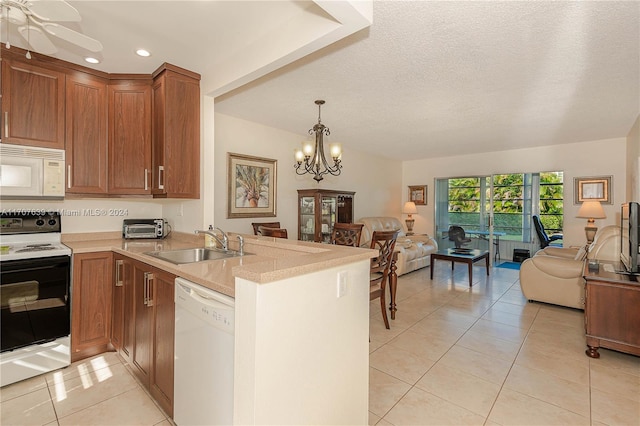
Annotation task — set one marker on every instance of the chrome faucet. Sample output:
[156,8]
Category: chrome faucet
[212,232]
[241,245]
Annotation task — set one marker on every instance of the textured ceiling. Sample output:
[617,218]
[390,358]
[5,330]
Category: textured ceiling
[431,79]
[426,79]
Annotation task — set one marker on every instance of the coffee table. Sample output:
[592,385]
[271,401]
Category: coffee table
[468,256]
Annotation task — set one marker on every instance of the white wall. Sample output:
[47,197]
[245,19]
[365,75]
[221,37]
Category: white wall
[374,179]
[594,158]
[633,162]
[302,352]
[92,215]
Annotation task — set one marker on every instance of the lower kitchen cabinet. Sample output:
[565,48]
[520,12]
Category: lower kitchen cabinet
[143,331]
[161,386]
[91,304]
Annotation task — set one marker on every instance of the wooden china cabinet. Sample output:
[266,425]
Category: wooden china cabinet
[319,209]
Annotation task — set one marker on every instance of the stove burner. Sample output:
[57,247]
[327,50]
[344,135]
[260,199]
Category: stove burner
[36,248]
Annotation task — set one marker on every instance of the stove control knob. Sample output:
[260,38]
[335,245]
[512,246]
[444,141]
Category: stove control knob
[52,222]
[39,222]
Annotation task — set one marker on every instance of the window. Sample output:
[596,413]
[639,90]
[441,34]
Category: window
[512,199]
[551,205]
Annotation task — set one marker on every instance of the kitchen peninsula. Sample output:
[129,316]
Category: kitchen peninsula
[301,341]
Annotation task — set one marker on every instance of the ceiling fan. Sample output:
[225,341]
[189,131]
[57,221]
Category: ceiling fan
[34,20]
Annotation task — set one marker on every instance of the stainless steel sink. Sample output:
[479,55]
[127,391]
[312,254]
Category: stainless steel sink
[193,255]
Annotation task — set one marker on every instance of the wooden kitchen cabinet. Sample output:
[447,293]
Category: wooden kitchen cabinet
[33,104]
[86,134]
[176,133]
[124,134]
[91,304]
[319,209]
[129,156]
[144,324]
[142,321]
[161,386]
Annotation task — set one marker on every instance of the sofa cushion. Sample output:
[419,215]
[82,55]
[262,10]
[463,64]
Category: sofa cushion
[413,250]
[380,223]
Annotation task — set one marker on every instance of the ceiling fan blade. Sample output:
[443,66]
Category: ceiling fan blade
[54,10]
[72,36]
[37,39]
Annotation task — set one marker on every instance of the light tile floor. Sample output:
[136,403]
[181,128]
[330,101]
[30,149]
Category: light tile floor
[454,355]
[485,356]
[95,391]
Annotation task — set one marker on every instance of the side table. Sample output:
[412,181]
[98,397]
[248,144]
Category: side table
[611,311]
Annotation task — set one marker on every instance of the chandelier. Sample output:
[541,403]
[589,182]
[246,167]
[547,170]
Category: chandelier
[311,158]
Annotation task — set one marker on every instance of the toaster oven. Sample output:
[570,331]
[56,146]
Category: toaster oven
[145,228]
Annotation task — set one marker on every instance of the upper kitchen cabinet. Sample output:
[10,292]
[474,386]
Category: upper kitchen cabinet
[86,134]
[33,111]
[176,133]
[130,137]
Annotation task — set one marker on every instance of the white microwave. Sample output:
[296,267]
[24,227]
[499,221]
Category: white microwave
[28,172]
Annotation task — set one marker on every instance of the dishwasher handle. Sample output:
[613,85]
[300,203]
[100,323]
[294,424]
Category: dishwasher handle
[202,298]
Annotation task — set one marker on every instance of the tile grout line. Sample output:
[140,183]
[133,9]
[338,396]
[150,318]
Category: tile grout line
[55,412]
[429,369]
[511,367]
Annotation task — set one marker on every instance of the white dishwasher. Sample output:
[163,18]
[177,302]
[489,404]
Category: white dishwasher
[203,369]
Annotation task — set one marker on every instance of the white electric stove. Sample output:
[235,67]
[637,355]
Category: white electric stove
[35,297]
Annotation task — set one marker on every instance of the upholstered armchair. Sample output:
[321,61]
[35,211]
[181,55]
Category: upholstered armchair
[554,275]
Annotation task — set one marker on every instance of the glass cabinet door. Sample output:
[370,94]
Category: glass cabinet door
[319,210]
[327,218]
[307,218]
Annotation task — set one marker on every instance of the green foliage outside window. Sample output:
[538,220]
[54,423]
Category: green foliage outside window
[508,202]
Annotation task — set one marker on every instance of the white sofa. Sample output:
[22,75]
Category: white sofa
[414,251]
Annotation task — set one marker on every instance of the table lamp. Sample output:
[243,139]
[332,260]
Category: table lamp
[409,209]
[591,210]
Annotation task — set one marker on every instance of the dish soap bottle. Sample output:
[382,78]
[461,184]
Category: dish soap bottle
[208,239]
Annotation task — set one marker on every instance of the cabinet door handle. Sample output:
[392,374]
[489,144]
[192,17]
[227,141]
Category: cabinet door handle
[69,176]
[119,272]
[6,124]
[160,177]
[150,282]
[146,179]
[145,290]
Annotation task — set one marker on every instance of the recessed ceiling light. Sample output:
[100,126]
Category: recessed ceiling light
[92,60]
[142,52]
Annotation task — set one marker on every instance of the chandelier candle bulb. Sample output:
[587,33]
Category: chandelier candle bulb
[299,155]
[336,151]
[307,148]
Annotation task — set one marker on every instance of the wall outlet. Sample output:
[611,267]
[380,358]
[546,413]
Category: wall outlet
[180,209]
[342,284]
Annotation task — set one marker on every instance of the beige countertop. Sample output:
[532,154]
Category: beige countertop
[268,259]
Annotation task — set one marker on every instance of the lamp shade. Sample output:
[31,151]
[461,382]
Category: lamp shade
[591,210]
[409,208]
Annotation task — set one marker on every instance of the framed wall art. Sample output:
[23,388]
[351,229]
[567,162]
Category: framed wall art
[418,194]
[252,186]
[592,189]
